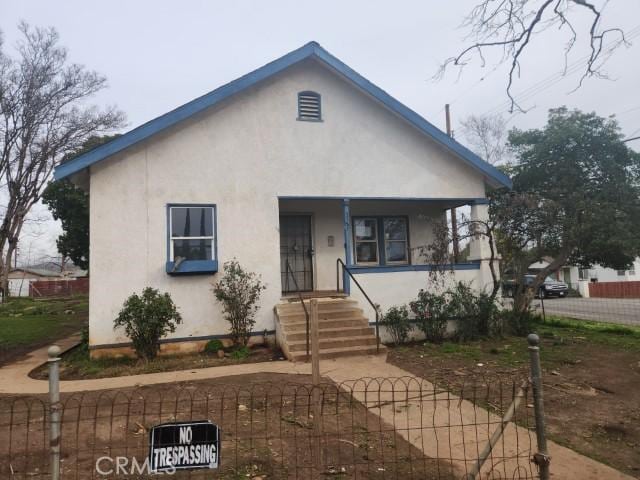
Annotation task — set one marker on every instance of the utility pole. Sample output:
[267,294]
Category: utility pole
[454,217]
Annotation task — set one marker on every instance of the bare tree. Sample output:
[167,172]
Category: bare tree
[44,116]
[437,252]
[486,135]
[511,25]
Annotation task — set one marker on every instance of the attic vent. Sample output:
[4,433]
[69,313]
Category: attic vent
[309,106]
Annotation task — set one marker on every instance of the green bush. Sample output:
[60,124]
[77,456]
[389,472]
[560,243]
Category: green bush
[146,319]
[398,325]
[213,346]
[432,313]
[240,353]
[519,323]
[476,313]
[239,292]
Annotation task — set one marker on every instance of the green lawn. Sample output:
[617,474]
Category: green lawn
[26,324]
[561,339]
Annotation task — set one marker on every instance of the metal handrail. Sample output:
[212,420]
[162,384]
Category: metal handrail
[295,282]
[373,305]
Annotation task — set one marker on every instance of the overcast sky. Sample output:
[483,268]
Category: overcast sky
[159,54]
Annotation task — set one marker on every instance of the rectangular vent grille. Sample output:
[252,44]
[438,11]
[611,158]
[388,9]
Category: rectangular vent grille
[309,106]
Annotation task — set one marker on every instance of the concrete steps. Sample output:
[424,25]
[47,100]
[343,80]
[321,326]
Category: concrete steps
[343,328]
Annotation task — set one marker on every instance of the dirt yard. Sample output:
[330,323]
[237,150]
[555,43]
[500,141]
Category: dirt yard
[266,420]
[591,383]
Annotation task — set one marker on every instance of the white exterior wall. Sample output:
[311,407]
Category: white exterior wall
[242,155]
[19,287]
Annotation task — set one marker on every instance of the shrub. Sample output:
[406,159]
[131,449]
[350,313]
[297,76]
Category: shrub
[476,313]
[432,313]
[239,292]
[213,346]
[146,319]
[240,353]
[397,322]
[519,323]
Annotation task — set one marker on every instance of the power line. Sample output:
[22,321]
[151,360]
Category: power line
[556,77]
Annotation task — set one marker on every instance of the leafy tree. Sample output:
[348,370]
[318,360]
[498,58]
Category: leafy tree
[239,292]
[70,205]
[575,198]
[146,319]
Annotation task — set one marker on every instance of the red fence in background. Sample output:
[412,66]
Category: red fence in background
[614,289]
[59,288]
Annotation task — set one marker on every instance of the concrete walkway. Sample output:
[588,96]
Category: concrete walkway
[14,378]
[442,416]
[442,427]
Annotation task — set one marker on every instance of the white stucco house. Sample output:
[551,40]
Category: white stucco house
[299,163]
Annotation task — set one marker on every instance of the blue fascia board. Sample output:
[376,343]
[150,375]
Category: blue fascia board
[456,200]
[193,267]
[357,269]
[311,49]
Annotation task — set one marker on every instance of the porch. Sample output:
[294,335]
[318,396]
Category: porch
[366,251]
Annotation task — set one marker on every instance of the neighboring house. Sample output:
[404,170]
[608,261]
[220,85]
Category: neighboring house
[579,278]
[301,162]
[598,273]
[20,278]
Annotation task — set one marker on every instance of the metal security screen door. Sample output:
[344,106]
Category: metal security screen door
[297,249]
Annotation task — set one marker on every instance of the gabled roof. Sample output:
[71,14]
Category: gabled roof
[311,50]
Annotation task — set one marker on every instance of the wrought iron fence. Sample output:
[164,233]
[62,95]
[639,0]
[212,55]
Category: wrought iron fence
[403,428]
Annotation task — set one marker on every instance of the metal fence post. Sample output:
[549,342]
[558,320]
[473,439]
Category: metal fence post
[541,458]
[54,409]
[317,407]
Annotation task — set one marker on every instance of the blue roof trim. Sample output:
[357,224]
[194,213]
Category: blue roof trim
[311,49]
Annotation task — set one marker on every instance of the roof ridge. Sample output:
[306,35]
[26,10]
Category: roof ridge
[211,98]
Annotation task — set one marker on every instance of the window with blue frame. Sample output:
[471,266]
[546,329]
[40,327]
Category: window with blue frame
[381,240]
[192,239]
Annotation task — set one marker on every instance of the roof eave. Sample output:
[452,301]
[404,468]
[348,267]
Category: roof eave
[312,49]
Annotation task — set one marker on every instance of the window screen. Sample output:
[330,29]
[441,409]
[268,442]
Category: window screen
[192,233]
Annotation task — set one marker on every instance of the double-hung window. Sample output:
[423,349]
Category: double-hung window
[381,240]
[366,240]
[396,243]
[192,242]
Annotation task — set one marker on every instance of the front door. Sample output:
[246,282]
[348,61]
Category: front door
[296,249]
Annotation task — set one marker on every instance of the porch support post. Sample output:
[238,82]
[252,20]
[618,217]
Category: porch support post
[348,247]
[479,249]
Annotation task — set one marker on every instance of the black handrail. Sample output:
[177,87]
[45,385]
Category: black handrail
[295,282]
[373,305]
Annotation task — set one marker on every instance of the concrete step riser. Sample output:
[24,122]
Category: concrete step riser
[356,332]
[351,312]
[323,324]
[294,307]
[302,356]
[335,343]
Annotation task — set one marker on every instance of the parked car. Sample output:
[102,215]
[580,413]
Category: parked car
[550,288]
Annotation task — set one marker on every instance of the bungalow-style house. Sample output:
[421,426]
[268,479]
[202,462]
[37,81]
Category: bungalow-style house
[288,169]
